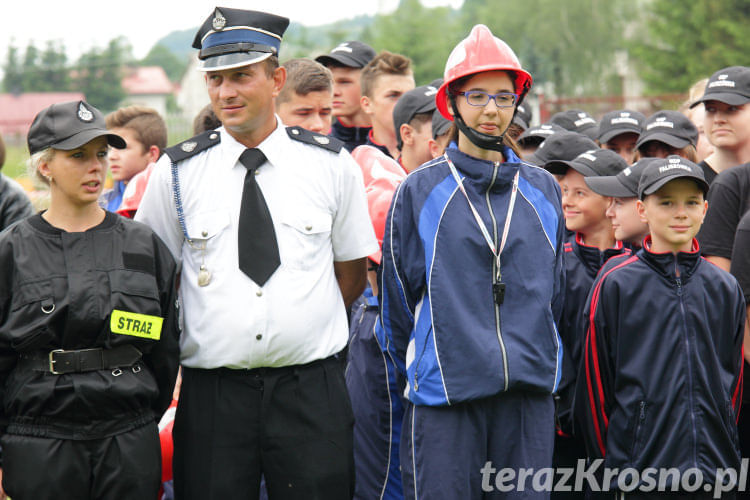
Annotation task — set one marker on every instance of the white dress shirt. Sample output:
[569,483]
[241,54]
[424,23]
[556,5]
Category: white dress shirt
[319,210]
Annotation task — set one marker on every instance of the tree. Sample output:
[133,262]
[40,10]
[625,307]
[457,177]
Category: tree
[682,42]
[99,74]
[13,79]
[54,74]
[159,55]
[30,68]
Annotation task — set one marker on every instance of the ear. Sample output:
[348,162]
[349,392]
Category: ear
[279,79]
[153,154]
[640,207]
[435,149]
[407,134]
[364,101]
[705,207]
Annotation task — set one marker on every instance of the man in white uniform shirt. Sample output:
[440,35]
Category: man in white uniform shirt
[272,229]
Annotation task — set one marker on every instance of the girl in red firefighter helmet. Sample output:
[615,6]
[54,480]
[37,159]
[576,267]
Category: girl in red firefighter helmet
[470,292]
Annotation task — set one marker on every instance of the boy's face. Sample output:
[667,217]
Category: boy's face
[584,210]
[674,215]
[626,222]
[386,91]
[346,91]
[418,137]
[125,163]
[311,111]
[623,145]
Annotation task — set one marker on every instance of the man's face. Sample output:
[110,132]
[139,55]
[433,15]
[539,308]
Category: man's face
[243,98]
[385,93]
[311,111]
[346,91]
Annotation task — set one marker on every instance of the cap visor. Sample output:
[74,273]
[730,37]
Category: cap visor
[658,184]
[534,159]
[233,60]
[609,186]
[520,122]
[86,136]
[725,97]
[671,140]
[591,132]
[557,167]
[610,134]
[341,59]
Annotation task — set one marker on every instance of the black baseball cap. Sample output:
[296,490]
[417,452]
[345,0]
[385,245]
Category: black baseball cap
[729,85]
[69,125]
[440,124]
[231,38]
[535,135]
[672,167]
[670,127]
[417,100]
[576,120]
[522,118]
[594,162]
[564,145]
[618,122]
[352,54]
[622,185]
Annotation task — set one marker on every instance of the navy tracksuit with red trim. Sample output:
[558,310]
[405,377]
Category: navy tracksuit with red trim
[582,263]
[661,376]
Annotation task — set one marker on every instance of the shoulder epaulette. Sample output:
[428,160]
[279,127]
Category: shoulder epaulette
[322,141]
[193,146]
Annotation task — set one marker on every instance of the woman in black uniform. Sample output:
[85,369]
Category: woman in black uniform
[88,329]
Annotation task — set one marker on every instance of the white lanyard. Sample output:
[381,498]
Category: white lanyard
[495,252]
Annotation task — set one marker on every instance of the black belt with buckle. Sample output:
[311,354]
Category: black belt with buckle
[62,361]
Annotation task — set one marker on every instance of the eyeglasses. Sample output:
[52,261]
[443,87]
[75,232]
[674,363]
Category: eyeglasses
[481,98]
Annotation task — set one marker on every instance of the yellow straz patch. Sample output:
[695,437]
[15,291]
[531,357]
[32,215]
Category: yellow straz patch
[136,325]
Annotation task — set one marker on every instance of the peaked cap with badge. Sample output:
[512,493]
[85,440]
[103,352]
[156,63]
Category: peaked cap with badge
[231,38]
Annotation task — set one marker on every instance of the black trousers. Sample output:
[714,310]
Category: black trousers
[293,425]
[126,466]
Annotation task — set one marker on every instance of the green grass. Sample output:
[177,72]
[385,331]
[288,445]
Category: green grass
[15,161]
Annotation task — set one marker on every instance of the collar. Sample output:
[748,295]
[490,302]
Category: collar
[350,134]
[272,146]
[38,222]
[591,256]
[381,147]
[481,172]
[667,263]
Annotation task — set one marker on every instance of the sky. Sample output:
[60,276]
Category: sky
[82,24]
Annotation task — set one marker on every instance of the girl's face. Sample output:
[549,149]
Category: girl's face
[583,209]
[488,119]
[626,222]
[77,176]
[727,126]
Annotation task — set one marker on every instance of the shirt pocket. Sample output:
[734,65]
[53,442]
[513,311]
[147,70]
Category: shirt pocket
[208,233]
[304,239]
[134,294]
[33,308]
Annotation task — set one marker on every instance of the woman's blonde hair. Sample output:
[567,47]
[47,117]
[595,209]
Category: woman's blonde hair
[36,160]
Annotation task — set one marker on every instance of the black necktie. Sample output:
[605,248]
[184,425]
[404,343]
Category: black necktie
[258,250]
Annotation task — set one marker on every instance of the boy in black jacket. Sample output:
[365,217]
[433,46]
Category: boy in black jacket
[660,387]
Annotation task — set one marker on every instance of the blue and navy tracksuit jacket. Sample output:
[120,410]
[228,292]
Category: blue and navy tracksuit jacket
[442,325]
[661,376]
[582,263]
[376,403]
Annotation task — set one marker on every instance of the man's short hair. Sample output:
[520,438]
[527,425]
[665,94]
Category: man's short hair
[304,76]
[146,123]
[385,63]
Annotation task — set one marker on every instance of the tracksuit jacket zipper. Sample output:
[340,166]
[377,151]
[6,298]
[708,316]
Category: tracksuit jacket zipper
[494,273]
[688,352]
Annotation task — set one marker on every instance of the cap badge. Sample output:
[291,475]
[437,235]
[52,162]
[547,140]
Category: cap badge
[321,139]
[430,91]
[188,147]
[722,77]
[625,114]
[84,114]
[219,21]
[581,115]
[674,160]
[627,171]
[342,47]
[661,118]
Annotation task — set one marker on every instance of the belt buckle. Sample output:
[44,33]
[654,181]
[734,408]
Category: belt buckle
[52,361]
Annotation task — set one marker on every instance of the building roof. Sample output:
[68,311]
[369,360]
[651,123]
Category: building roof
[19,110]
[147,80]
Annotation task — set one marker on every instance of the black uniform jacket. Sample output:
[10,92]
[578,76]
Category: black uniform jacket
[660,383]
[59,290]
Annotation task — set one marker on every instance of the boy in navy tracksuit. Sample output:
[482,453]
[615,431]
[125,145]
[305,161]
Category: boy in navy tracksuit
[585,251]
[661,383]
[471,288]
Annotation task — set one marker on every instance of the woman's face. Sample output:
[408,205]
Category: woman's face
[77,176]
[727,126]
[488,119]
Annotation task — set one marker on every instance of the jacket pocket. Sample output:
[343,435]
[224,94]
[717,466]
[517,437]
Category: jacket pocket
[638,430]
[134,293]
[731,423]
[304,239]
[33,308]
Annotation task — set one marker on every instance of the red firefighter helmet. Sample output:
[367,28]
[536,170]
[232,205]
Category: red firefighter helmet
[481,51]
[382,175]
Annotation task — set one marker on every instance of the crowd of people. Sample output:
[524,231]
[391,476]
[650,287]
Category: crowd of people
[349,286]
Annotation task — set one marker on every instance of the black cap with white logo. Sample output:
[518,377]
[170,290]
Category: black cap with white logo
[673,167]
[411,103]
[670,127]
[729,85]
[522,118]
[594,162]
[535,135]
[352,54]
[69,125]
[564,145]
[576,120]
[622,185]
[618,122]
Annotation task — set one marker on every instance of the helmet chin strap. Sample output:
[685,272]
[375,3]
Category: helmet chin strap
[484,141]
